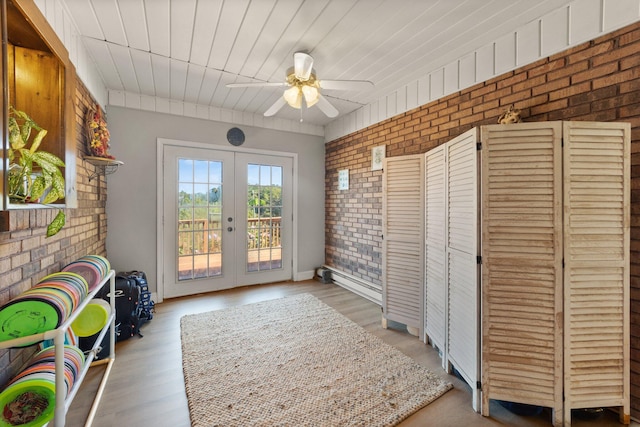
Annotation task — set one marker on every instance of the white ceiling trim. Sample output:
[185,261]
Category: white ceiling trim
[205,112]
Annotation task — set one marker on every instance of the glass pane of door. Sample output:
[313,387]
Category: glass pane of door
[199,239]
[264,208]
[264,217]
[199,219]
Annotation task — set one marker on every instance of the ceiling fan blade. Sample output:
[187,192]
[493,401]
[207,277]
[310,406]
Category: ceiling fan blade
[302,65]
[275,107]
[326,107]
[257,84]
[345,84]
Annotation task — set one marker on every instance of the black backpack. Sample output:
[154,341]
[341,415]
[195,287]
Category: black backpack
[145,304]
[133,303]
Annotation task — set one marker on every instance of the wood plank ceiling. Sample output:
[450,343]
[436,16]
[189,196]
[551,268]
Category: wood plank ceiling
[188,50]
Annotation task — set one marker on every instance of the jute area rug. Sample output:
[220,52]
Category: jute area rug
[295,361]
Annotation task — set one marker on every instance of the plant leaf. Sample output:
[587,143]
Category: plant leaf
[21,114]
[57,224]
[47,161]
[26,161]
[37,140]
[28,124]
[22,185]
[15,138]
[38,187]
[51,197]
[49,158]
[58,184]
[57,189]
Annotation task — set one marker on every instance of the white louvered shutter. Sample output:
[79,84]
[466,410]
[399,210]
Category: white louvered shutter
[596,246]
[403,224]
[522,264]
[435,244]
[463,312]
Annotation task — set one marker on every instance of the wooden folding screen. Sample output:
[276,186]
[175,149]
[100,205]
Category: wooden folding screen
[403,231]
[463,294]
[522,264]
[435,251]
[596,273]
[452,302]
[554,215]
[555,254]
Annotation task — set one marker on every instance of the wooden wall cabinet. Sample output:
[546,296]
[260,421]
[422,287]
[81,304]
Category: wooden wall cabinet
[39,79]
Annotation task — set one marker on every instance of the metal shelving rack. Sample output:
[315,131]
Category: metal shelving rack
[64,402]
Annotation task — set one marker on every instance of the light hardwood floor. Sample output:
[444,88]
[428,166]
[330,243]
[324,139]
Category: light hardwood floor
[146,385]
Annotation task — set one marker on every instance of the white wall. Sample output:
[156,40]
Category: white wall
[131,203]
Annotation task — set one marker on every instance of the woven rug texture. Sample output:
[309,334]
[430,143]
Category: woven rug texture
[295,361]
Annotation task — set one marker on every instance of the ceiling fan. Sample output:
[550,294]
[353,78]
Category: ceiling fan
[304,87]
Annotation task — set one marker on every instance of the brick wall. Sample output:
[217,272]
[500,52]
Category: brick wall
[27,255]
[597,80]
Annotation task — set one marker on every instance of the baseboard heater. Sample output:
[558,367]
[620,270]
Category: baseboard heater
[356,285]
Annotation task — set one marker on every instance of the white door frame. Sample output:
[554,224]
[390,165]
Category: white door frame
[161,143]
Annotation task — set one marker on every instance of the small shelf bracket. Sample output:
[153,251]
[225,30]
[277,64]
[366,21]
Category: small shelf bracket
[103,166]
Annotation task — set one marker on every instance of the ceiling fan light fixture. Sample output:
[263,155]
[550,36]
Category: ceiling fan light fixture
[302,64]
[302,82]
[310,95]
[293,96]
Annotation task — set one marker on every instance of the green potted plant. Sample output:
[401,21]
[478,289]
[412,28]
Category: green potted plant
[34,175]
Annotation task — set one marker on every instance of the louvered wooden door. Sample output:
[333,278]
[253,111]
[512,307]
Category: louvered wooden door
[463,299]
[522,264]
[435,250]
[596,276]
[403,234]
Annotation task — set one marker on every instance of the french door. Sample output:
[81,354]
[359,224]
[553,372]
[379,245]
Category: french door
[227,219]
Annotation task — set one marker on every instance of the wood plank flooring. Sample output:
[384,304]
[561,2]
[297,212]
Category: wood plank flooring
[146,386]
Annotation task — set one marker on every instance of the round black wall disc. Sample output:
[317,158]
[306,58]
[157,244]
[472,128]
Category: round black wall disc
[235,136]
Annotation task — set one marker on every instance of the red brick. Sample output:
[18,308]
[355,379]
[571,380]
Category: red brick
[529,83]
[569,91]
[568,71]
[544,69]
[497,94]
[593,73]
[515,98]
[486,106]
[487,88]
[447,111]
[512,81]
[618,78]
[593,95]
[551,86]
[631,61]
[471,119]
[629,37]
[591,52]
[615,55]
